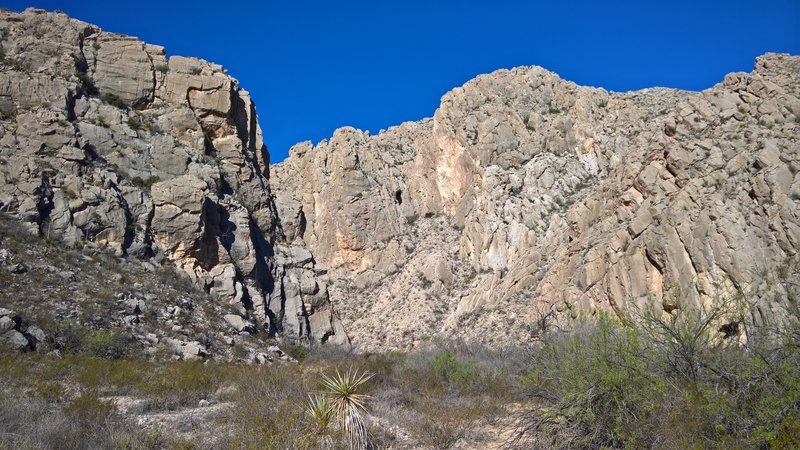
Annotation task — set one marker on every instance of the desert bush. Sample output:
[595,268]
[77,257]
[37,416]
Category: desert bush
[71,337]
[320,411]
[134,123]
[111,345]
[268,410]
[452,371]
[465,369]
[145,183]
[86,83]
[86,422]
[87,410]
[115,101]
[183,383]
[668,380]
[297,351]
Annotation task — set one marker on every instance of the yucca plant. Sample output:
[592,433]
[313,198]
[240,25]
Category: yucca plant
[320,411]
[340,401]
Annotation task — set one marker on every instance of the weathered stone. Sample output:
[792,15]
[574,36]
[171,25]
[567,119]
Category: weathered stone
[16,340]
[536,194]
[238,323]
[37,333]
[6,324]
[123,69]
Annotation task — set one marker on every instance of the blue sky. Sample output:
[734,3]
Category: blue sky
[315,66]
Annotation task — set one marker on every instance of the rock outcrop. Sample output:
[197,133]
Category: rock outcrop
[526,194]
[105,139]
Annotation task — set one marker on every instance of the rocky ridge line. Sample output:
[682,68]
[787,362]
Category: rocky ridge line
[526,195]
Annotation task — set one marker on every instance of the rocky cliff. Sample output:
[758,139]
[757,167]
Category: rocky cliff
[528,196]
[106,140]
[525,195]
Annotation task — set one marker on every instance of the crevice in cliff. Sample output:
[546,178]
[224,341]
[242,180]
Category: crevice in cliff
[151,98]
[44,205]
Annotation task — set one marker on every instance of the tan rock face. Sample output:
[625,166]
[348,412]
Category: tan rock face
[523,194]
[123,68]
[533,194]
[103,139]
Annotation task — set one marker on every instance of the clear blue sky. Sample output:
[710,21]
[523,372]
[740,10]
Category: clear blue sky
[315,66]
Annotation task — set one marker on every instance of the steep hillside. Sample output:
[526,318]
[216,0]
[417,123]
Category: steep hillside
[528,196]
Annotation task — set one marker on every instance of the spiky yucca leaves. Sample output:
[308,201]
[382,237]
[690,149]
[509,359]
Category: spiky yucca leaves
[320,411]
[343,403]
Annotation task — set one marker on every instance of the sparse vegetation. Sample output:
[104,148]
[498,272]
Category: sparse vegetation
[145,183]
[666,380]
[101,122]
[134,123]
[115,101]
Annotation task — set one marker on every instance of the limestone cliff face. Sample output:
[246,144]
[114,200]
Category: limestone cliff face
[527,194]
[105,139]
[524,195]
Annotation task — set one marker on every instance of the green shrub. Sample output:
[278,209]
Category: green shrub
[665,380]
[145,184]
[67,337]
[452,371]
[267,412]
[70,337]
[115,100]
[183,383]
[297,351]
[110,345]
[134,123]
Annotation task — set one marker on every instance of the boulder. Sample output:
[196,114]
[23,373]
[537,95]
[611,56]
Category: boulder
[7,324]
[16,340]
[238,323]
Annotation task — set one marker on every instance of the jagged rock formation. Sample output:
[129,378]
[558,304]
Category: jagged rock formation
[525,194]
[105,139]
